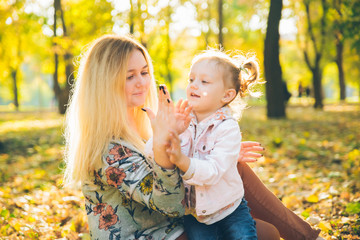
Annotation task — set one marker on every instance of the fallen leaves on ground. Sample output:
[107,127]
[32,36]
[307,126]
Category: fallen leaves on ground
[312,163]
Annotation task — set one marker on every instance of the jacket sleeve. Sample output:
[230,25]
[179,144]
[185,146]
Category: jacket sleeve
[222,156]
[158,188]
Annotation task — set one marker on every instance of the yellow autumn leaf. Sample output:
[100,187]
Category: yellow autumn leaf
[17,226]
[291,201]
[324,226]
[312,198]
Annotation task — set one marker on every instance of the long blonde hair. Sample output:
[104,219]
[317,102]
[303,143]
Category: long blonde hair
[97,112]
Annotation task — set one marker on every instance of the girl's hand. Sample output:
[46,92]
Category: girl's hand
[174,151]
[182,115]
[173,148]
[247,151]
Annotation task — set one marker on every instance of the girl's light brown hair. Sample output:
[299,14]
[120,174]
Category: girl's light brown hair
[240,71]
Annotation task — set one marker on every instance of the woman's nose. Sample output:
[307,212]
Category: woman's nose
[140,81]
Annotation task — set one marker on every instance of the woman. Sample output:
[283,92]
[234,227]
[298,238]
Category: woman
[126,195]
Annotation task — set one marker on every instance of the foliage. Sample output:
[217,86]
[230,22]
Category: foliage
[312,163]
[29,23]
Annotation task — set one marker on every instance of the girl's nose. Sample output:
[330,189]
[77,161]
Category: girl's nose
[193,85]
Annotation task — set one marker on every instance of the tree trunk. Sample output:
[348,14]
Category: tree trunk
[56,86]
[273,73]
[339,63]
[61,94]
[220,13]
[141,23]
[69,69]
[15,88]
[339,40]
[317,86]
[131,20]
[318,48]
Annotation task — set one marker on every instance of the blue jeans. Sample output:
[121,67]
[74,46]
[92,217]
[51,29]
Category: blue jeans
[238,225]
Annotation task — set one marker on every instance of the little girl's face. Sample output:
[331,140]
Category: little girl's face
[206,88]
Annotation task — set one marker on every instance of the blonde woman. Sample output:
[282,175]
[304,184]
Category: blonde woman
[126,195]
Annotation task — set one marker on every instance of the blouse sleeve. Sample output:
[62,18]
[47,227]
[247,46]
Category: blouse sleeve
[158,188]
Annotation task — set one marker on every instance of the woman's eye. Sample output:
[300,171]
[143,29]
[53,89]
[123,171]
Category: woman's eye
[144,73]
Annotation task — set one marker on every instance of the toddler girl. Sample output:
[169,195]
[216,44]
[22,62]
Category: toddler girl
[208,150]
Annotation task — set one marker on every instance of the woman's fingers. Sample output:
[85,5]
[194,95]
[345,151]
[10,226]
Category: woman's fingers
[162,95]
[165,93]
[252,149]
[246,144]
[252,155]
[248,159]
[149,113]
[248,151]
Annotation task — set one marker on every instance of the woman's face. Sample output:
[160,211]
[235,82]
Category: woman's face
[137,80]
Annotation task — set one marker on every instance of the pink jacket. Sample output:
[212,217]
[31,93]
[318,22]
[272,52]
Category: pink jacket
[213,145]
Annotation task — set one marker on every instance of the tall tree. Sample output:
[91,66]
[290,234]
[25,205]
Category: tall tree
[220,22]
[317,47]
[131,18]
[142,14]
[273,72]
[339,41]
[61,93]
[56,85]
[15,29]
[351,30]
[15,68]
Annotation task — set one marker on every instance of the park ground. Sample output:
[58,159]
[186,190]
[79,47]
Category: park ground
[311,162]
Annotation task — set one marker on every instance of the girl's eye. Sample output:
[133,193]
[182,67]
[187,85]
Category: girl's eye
[191,80]
[145,73]
[203,81]
[130,77]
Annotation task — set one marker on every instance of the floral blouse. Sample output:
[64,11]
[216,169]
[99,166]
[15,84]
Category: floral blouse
[131,197]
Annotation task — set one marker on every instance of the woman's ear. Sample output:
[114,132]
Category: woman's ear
[229,95]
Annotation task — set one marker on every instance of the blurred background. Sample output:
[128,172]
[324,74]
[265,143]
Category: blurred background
[311,47]
[308,118]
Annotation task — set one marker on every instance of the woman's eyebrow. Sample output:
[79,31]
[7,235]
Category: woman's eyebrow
[132,70]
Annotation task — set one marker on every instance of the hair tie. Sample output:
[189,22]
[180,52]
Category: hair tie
[244,69]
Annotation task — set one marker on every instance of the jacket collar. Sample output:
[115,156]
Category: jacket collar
[218,116]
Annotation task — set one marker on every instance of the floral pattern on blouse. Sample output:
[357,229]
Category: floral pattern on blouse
[130,197]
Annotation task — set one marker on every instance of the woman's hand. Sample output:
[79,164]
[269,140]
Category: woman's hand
[247,152]
[182,115]
[162,123]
